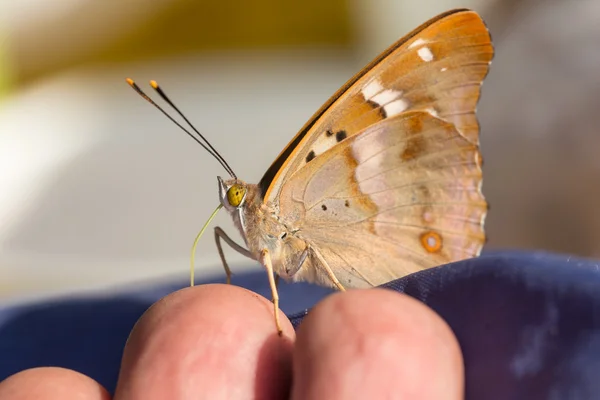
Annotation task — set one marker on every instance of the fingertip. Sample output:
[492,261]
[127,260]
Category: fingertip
[51,383]
[209,340]
[376,343]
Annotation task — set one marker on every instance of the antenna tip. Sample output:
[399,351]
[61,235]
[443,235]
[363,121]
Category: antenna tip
[130,81]
[154,84]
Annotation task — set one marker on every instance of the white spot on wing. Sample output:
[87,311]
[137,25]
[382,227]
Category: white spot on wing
[432,111]
[323,144]
[444,69]
[391,100]
[427,216]
[371,89]
[431,241]
[425,54]
[386,96]
[395,107]
[416,43]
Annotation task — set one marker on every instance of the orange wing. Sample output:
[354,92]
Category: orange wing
[438,68]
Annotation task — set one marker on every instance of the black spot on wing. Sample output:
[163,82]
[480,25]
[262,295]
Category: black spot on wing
[378,107]
[323,207]
[310,156]
[341,135]
[329,133]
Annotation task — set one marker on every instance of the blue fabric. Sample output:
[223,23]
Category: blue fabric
[528,324]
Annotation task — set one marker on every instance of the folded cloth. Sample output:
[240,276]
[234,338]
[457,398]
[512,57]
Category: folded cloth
[528,324]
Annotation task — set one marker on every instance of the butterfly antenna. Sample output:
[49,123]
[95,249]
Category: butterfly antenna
[209,149]
[163,95]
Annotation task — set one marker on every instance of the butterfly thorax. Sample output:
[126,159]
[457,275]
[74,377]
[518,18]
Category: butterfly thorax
[259,224]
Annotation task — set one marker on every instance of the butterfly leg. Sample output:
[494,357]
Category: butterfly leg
[220,234]
[265,259]
[330,273]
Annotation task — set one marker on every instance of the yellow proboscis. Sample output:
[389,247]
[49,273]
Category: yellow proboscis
[212,216]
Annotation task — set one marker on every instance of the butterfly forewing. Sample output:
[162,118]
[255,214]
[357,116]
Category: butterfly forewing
[437,68]
[400,196]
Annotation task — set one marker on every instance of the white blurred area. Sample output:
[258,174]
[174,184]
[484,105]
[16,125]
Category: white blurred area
[99,189]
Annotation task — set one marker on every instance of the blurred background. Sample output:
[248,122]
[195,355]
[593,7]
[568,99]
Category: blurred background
[99,190]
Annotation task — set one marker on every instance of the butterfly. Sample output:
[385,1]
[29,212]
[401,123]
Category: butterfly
[385,179]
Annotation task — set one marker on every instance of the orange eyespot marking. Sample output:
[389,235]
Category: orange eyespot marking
[236,194]
[431,241]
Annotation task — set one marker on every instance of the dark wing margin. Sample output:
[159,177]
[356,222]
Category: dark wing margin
[268,177]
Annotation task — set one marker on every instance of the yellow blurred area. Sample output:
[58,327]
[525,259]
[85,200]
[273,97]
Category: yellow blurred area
[6,66]
[107,32]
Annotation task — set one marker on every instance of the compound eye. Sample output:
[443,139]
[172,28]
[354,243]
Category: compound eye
[235,195]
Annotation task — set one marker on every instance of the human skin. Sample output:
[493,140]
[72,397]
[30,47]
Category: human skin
[220,342]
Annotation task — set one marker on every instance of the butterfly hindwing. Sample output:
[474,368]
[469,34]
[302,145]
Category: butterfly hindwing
[400,196]
[437,68]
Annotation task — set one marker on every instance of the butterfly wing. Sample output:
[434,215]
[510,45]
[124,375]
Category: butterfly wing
[438,67]
[403,195]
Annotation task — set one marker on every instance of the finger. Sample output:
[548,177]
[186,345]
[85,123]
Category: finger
[376,344]
[51,383]
[210,341]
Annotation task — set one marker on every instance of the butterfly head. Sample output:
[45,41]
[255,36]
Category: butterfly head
[232,193]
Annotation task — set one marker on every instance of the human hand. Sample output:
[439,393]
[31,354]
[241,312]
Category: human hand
[220,342]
